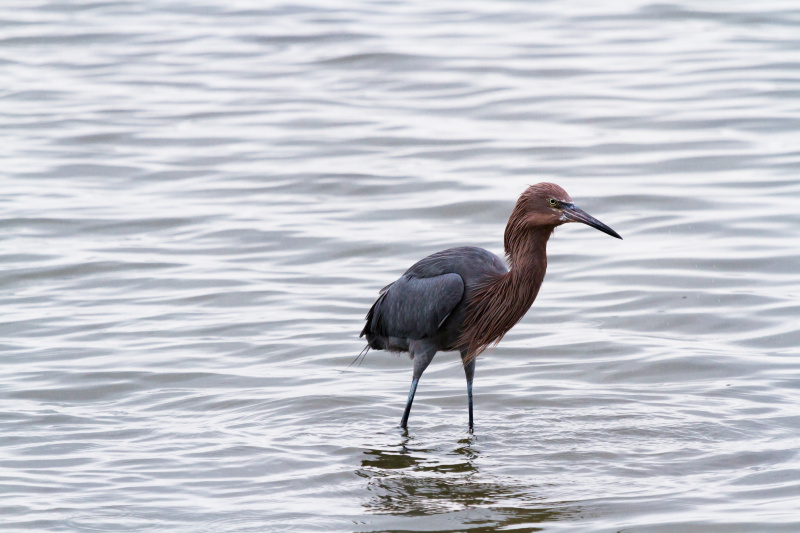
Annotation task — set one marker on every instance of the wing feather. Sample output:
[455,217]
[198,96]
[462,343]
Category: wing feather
[413,307]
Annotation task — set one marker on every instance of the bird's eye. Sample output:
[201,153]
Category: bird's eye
[553,202]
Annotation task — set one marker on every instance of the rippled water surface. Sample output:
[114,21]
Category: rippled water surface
[200,201]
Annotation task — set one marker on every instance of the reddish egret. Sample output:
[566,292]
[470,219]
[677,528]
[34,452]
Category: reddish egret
[464,299]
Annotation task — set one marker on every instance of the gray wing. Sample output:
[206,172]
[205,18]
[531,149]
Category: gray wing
[414,308]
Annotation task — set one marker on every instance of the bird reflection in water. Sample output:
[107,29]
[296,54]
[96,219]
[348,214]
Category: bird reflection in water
[418,482]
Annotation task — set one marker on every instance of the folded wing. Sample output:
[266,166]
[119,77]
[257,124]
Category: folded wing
[414,308]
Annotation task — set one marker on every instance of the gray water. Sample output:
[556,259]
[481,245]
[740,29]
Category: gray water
[200,201]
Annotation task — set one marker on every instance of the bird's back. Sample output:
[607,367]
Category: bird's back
[429,300]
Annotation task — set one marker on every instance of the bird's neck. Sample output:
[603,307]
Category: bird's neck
[503,300]
[527,257]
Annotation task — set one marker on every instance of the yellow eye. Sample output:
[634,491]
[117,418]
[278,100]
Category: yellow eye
[553,202]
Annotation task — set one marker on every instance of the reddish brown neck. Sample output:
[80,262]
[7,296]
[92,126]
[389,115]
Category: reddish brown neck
[498,305]
[527,257]
[526,248]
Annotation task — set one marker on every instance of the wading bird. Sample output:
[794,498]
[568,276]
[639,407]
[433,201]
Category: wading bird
[464,299]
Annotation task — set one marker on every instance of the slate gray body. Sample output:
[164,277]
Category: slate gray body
[428,302]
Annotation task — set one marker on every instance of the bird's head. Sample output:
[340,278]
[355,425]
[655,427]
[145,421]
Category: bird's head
[548,205]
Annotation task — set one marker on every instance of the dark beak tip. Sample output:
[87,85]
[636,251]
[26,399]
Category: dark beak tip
[577,214]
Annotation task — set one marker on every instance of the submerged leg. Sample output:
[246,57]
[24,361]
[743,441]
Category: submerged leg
[404,421]
[423,356]
[469,370]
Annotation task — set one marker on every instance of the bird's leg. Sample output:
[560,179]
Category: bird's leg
[404,421]
[423,356]
[469,370]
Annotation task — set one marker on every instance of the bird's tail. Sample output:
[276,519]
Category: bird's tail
[362,355]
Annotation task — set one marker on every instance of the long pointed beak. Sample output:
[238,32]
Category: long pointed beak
[574,213]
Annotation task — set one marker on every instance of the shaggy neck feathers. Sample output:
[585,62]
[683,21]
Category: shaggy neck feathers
[501,301]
